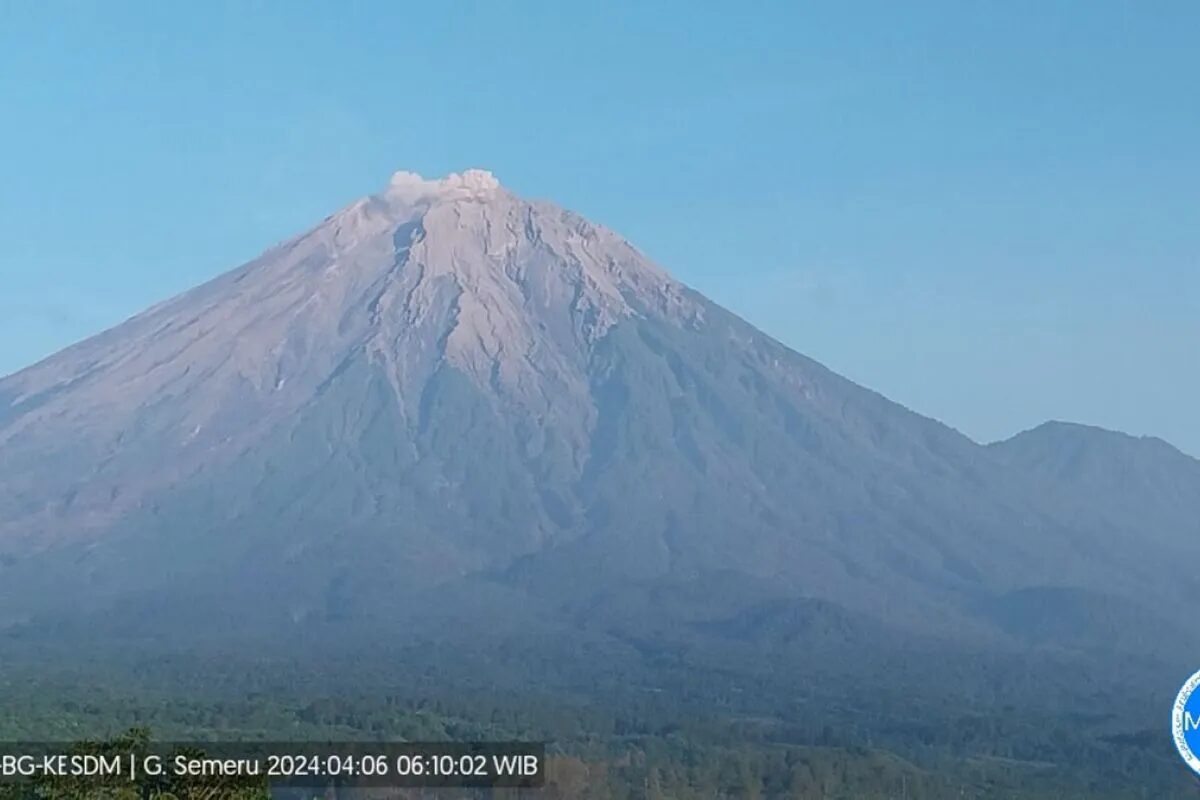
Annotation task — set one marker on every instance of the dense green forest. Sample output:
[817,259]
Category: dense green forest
[690,734]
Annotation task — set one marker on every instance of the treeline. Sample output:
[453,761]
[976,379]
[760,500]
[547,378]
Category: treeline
[666,769]
[674,732]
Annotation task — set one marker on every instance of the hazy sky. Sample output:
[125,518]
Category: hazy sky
[988,211]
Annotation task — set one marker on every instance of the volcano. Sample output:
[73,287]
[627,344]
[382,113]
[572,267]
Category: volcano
[446,400]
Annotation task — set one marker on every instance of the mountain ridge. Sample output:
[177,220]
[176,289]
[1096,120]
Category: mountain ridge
[1059,427]
[444,385]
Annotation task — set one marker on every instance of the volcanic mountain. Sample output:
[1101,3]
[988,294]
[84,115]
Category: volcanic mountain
[446,397]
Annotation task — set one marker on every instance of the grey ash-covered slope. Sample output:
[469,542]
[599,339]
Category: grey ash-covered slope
[445,391]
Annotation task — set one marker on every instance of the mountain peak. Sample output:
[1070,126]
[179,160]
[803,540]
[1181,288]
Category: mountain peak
[410,187]
[1060,434]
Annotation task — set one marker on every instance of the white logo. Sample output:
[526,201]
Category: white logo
[1185,723]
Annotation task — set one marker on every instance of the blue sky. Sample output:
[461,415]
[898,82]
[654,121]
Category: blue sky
[988,211]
